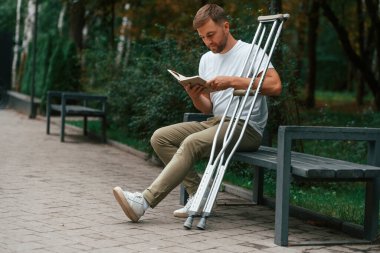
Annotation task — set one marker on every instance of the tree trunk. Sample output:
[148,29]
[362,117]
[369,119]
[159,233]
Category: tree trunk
[123,45]
[77,23]
[368,74]
[275,8]
[373,7]
[61,19]
[312,55]
[361,42]
[16,47]
[27,38]
[112,24]
[301,23]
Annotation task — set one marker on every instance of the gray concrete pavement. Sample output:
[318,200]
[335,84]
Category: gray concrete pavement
[57,197]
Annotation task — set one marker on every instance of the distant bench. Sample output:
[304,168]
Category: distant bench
[288,163]
[76,104]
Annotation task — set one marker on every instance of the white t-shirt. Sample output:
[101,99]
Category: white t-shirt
[231,64]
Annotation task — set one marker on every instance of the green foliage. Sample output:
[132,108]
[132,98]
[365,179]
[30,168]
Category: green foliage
[340,200]
[57,63]
[8,15]
[354,151]
[146,96]
[330,53]
[57,68]
[64,68]
[42,64]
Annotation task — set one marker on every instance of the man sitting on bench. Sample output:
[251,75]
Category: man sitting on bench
[179,146]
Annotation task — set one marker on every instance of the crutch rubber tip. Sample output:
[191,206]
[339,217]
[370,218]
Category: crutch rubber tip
[202,224]
[189,222]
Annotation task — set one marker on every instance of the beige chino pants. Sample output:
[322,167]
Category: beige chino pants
[180,145]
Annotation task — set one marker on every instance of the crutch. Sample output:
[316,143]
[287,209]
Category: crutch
[218,164]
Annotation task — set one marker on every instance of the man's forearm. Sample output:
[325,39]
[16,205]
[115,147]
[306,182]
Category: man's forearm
[203,104]
[271,86]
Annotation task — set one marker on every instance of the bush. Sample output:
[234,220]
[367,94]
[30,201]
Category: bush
[146,96]
[57,68]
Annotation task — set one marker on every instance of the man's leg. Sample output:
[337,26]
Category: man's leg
[167,140]
[194,147]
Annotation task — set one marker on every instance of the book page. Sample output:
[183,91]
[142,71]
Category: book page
[192,81]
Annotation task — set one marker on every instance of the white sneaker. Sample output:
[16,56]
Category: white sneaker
[131,203]
[183,212]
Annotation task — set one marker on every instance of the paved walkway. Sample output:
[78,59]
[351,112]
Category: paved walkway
[57,197]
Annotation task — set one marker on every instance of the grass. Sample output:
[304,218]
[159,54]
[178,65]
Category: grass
[94,126]
[340,200]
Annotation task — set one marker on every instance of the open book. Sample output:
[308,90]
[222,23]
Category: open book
[193,80]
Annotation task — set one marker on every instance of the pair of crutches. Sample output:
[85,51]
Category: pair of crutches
[264,42]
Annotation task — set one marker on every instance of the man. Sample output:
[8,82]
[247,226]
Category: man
[179,146]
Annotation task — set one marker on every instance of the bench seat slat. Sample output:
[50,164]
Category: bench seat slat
[264,157]
[327,168]
[310,166]
[77,110]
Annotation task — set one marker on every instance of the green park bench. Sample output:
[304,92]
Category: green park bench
[76,104]
[302,166]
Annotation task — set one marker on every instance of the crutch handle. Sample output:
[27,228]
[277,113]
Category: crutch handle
[242,93]
[269,18]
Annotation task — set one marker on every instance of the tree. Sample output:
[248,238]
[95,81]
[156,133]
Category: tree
[27,38]
[360,12]
[312,55]
[361,62]
[77,22]
[16,47]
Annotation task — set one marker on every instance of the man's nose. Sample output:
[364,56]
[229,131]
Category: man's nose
[207,39]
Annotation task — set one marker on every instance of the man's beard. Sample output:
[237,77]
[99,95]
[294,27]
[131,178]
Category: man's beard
[221,46]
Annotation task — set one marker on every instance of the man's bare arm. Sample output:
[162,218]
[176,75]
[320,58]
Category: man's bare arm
[200,98]
[271,87]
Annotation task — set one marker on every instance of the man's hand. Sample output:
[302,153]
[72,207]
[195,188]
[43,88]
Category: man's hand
[200,97]
[194,91]
[220,83]
[271,87]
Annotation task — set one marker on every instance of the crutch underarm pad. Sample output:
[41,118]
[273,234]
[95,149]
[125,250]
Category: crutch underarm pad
[273,17]
[243,92]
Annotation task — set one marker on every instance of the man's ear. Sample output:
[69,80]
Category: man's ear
[226,26]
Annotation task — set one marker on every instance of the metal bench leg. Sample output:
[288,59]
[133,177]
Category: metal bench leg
[372,196]
[282,209]
[183,195]
[85,125]
[371,218]
[282,190]
[48,121]
[258,186]
[63,118]
[48,111]
[104,129]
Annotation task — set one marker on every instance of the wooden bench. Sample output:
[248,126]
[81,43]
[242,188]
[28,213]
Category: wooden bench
[76,104]
[288,163]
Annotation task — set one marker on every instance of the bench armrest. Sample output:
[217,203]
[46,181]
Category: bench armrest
[288,133]
[80,96]
[372,135]
[331,133]
[76,95]
[192,116]
[83,96]
[51,93]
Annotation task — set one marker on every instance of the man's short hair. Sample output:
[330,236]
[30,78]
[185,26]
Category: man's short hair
[209,11]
